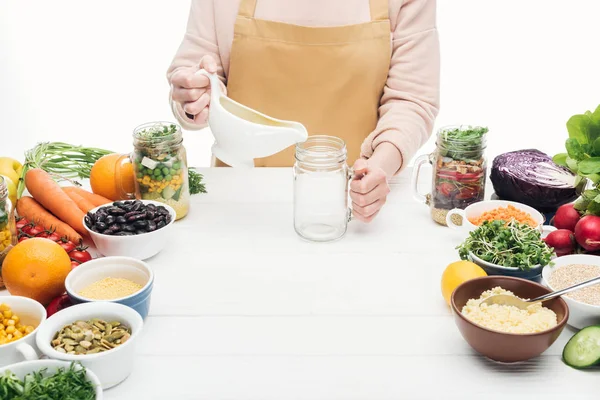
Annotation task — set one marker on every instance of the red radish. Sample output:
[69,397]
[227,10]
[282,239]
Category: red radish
[587,232]
[562,240]
[566,217]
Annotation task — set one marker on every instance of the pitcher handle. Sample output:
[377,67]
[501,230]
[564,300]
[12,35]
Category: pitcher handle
[425,158]
[215,84]
[123,194]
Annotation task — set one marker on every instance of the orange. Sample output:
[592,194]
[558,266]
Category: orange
[457,273]
[36,268]
[103,177]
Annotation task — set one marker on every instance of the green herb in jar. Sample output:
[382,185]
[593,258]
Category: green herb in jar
[158,131]
[462,143]
[507,244]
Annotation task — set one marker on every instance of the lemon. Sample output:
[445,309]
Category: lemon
[457,273]
[12,189]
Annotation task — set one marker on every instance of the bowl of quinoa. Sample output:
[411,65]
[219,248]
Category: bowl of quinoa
[584,304]
[122,280]
[497,331]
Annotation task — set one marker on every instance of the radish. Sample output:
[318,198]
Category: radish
[587,232]
[562,240]
[566,217]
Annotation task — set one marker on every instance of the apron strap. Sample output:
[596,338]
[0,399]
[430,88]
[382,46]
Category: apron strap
[247,8]
[379,10]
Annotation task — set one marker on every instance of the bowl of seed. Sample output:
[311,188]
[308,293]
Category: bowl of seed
[584,304]
[122,280]
[101,336]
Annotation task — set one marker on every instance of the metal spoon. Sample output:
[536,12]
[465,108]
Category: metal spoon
[509,300]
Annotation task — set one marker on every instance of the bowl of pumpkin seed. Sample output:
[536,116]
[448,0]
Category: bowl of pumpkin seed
[100,335]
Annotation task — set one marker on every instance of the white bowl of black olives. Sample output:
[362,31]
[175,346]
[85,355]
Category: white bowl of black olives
[132,228]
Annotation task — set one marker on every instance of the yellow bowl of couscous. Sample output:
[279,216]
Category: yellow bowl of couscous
[122,280]
[503,335]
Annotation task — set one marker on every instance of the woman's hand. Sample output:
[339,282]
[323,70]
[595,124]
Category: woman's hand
[192,90]
[368,190]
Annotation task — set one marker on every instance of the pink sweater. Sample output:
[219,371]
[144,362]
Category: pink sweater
[411,96]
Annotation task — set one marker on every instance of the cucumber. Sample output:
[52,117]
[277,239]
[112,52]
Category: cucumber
[583,349]
[168,193]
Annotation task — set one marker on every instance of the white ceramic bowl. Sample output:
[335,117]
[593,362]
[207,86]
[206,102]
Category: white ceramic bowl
[581,314]
[31,313]
[141,246]
[115,267]
[476,209]
[113,366]
[24,368]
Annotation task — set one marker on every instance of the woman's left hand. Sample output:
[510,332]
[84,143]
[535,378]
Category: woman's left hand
[368,190]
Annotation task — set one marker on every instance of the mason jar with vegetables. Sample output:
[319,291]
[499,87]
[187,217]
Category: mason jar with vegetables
[7,226]
[459,170]
[160,164]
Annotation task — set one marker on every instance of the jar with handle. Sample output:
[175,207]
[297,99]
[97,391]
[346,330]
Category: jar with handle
[458,172]
[8,234]
[160,166]
[321,189]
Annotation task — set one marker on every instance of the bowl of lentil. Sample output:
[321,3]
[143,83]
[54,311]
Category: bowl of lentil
[138,236]
[584,304]
[122,280]
[501,345]
[20,318]
[112,366]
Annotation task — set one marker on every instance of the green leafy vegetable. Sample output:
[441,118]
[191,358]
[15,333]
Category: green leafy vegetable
[462,143]
[65,384]
[62,161]
[196,185]
[508,245]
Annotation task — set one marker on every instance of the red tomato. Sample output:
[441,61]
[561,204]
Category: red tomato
[67,245]
[445,189]
[59,303]
[80,254]
[21,223]
[75,264]
[55,237]
[24,237]
[466,193]
[27,228]
[37,231]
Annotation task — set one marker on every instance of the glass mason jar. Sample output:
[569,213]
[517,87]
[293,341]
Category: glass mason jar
[459,171]
[160,166]
[321,183]
[8,236]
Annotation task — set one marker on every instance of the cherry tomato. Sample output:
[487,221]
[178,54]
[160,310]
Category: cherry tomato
[21,223]
[55,237]
[27,228]
[23,237]
[466,193]
[80,254]
[75,264]
[58,303]
[66,244]
[37,231]
[445,189]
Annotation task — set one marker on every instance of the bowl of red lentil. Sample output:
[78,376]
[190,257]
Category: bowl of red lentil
[122,280]
[584,304]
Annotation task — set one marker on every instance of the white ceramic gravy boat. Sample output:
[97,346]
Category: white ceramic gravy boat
[243,134]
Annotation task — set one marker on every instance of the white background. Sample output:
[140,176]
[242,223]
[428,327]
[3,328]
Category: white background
[88,72]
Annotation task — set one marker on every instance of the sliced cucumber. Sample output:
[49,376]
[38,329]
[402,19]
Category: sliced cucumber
[168,192]
[583,349]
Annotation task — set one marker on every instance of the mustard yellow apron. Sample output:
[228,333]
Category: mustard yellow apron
[328,78]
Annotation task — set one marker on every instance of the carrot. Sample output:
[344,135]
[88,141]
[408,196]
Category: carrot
[505,214]
[31,210]
[84,204]
[93,198]
[47,192]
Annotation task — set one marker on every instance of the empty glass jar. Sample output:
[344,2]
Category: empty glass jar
[321,177]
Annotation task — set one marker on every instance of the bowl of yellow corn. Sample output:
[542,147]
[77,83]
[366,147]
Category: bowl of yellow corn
[20,318]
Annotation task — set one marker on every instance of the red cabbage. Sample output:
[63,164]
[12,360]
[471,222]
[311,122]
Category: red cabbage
[531,177]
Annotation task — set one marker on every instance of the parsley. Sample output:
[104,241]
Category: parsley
[509,245]
[65,384]
[196,185]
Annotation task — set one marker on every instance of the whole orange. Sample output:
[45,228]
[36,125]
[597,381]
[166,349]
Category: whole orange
[36,268]
[103,177]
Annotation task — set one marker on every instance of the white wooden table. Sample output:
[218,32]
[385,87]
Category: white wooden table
[244,309]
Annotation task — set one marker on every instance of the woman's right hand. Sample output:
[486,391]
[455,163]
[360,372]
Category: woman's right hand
[192,90]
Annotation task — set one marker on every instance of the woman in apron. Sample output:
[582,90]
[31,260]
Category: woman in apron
[366,71]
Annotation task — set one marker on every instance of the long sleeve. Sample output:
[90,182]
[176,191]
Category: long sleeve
[410,100]
[200,39]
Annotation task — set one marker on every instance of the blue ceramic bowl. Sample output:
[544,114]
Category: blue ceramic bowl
[533,274]
[113,267]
